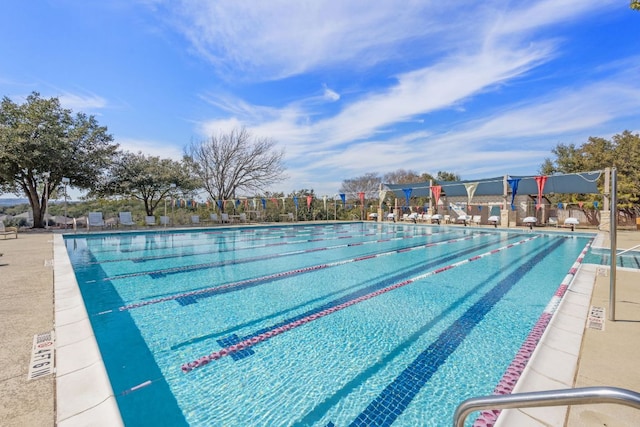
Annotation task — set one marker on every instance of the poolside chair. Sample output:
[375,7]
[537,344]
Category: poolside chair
[435,219]
[495,220]
[553,221]
[447,219]
[243,217]
[126,219]
[530,221]
[7,231]
[165,220]
[150,220]
[224,217]
[476,219]
[95,219]
[195,219]
[571,222]
[214,217]
[463,219]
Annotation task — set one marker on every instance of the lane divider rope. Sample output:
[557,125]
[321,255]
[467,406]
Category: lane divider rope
[513,372]
[284,274]
[242,345]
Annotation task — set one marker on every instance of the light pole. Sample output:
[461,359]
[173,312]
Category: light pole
[46,176]
[65,182]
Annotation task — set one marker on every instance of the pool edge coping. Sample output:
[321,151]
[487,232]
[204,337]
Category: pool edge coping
[83,389]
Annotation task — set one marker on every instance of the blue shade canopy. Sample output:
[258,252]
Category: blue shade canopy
[580,183]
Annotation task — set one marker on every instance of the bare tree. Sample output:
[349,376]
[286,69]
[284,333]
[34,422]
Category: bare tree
[368,183]
[236,161]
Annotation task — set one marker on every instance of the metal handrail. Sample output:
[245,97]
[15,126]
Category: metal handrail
[628,250]
[573,396]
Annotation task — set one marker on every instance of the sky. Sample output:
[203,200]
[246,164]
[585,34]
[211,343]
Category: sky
[345,88]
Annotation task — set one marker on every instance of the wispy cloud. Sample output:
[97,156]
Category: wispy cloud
[444,56]
[81,101]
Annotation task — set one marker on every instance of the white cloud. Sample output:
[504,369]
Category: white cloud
[150,148]
[81,102]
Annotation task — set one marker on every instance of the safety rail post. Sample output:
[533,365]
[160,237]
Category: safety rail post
[564,397]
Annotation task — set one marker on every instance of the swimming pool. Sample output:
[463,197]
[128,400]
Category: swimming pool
[630,259]
[328,324]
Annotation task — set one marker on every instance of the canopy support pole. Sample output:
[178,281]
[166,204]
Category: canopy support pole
[613,230]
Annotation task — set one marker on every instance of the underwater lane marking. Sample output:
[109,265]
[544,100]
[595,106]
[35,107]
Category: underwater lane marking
[245,344]
[175,270]
[263,237]
[522,357]
[398,395]
[281,275]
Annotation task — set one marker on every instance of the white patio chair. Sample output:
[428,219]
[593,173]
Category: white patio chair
[126,219]
[214,217]
[195,219]
[150,220]
[243,217]
[165,220]
[224,217]
[95,219]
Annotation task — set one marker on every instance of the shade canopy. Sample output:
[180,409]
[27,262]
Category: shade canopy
[574,183]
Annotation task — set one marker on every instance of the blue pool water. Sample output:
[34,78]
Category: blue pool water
[327,325]
[629,259]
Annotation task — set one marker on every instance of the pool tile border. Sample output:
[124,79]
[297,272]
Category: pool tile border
[83,391]
[554,362]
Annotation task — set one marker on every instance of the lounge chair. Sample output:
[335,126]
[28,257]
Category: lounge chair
[412,217]
[195,219]
[463,219]
[126,219]
[150,220]
[435,219]
[243,217]
[7,231]
[476,219]
[95,219]
[224,217]
[553,221]
[165,220]
[571,222]
[214,217]
[530,221]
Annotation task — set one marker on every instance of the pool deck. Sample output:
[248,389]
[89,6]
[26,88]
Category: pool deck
[570,354]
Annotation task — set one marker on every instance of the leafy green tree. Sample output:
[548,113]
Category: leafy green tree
[41,142]
[228,163]
[621,152]
[635,4]
[146,178]
[447,176]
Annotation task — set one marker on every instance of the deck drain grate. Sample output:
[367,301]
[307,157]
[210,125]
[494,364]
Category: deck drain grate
[42,356]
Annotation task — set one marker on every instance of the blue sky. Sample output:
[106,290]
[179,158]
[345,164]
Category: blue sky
[479,88]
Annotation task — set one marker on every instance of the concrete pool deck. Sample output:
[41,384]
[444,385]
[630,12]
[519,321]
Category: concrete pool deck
[600,357]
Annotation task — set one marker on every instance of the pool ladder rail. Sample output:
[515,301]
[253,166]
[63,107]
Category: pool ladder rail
[573,396]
